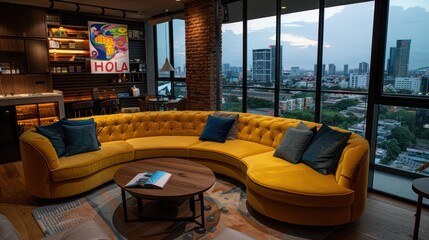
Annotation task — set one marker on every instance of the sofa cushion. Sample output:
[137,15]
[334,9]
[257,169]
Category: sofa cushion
[85,164]
[229,152]
[233,131]
[80,139]
[283,181]
[325,149]
[55,134]
[293,144]
[162,146]
[216,129]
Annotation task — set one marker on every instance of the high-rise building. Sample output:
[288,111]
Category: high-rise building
[358,80]
[391,62]
[294,71]
[402,58]
[323,70]
[331,69]
[346,69]
[264,64]
[408,83]
[363,68]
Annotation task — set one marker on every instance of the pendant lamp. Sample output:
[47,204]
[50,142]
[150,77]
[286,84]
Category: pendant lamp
[167,66]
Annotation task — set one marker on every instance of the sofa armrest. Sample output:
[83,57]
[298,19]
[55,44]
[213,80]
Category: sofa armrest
[38,160]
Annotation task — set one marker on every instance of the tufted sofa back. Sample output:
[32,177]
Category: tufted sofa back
[146,124]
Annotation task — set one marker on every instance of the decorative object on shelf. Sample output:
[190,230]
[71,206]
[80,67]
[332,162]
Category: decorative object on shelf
[134,91]
[167,66]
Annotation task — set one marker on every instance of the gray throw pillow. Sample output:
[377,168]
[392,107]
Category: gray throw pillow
[293,144]
[302,126]
[233,131]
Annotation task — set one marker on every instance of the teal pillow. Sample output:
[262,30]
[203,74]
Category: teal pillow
[216,129]
[76,122]
[54,133]
[293,144]
[79,123]
[325,149]
[80,139]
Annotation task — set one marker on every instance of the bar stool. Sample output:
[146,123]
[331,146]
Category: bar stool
[109,106]
[142,105]
[82,107]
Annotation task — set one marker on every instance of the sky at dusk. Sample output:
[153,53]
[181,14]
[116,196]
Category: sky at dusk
[347,35]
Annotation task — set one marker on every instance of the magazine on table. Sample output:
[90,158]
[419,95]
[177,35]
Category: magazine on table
[156,179]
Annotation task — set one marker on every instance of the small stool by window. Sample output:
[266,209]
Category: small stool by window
[109,106]
[84,108]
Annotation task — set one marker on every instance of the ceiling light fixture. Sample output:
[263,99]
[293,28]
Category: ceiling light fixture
[167,66]
[103,9]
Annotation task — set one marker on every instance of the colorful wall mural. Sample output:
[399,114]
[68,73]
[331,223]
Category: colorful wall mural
[108,47]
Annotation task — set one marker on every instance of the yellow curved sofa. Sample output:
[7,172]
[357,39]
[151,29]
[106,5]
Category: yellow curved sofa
[292,193]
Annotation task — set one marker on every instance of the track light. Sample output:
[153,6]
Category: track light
[102,8]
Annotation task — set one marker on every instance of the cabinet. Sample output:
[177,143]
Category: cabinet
[12,56]
[37,58]
[68,49]
[31,115]
[21,21]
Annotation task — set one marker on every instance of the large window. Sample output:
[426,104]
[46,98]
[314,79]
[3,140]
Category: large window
[345,60]
[232,58]
[401,135]
[346,65]
[170,42]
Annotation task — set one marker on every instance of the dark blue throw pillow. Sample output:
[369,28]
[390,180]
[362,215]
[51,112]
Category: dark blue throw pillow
[324,151]
[54,133]
[80,139]
[76,122]
[79,123]
[216,129]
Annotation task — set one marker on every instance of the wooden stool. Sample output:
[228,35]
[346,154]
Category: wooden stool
[109,106]
[421,187]
[82,107]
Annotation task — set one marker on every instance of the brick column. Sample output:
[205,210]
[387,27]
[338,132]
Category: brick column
[200,25]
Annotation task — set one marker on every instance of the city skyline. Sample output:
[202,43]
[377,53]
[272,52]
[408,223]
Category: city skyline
[299,36]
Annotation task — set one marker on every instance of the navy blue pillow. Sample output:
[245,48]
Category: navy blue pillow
[54,133]
[216,129]
[324,151]
[79,123]
[80,139]
[76,122]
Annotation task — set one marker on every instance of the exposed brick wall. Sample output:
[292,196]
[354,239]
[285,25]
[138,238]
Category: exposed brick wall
[200,25]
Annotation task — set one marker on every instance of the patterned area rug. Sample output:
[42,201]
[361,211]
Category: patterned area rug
[225,210]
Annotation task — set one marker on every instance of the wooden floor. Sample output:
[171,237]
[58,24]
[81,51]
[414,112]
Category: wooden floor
[384,218]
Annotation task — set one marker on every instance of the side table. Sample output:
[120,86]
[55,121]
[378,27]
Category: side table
[421,187]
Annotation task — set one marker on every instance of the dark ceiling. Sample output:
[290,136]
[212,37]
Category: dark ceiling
[138,9]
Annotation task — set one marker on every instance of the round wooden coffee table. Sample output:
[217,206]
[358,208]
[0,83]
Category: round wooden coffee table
[188,181]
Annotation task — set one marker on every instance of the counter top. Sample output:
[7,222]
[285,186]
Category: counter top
[27,98]
[30,98]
